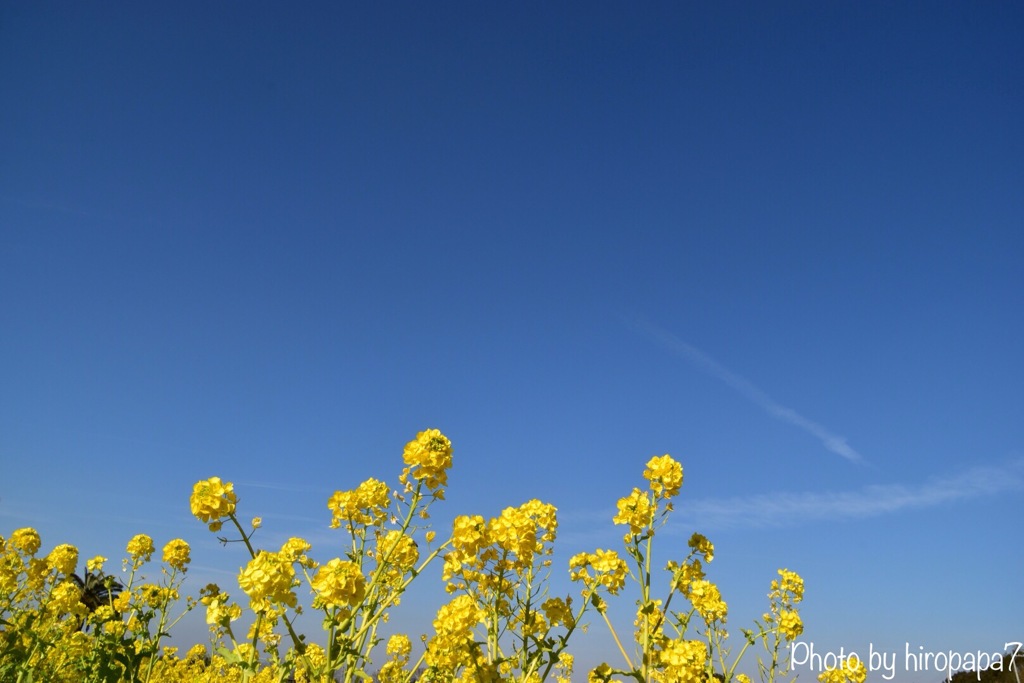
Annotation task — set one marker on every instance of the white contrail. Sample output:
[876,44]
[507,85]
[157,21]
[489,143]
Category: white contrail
[783,509]
[701,360]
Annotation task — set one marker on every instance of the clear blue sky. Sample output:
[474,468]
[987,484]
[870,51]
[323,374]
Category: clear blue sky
[784,244]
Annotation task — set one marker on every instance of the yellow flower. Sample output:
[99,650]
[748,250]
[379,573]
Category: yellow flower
[790,624]
[213,501]
[469,534]
[684,661]
[177,554]
[684,574]
[564,666]
[95,564]
[295,549]
[790,588]
[66,597]
[558,611]
[218,611]
[64,558]
[140,548]
[267,579]
[429,457]
[365,505]
[339,584]
[702,545]
[665,475]
[398,551]
[454,625]
[257,522]
[399,645]
[707,600]
[610,570]
[156,596]
[852,671]
[26,540]
[636,511]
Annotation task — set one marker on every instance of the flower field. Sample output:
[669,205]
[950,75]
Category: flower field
[63,622]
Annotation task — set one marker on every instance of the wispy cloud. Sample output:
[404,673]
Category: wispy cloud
[783,509]
[831,441]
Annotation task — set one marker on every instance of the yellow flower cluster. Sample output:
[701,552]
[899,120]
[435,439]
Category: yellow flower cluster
[212,501]
[398,649]
[637,511]
[558,611]
[701,544]
[786,592]
[515,531]
[564,665]
[707,600]
[26,540]
[63,558]
[156,596]
[366,505]
[268,579]
[609,571]
[451,647]
[177,554]
[295,549]
[66,599]
[683,661]
[510,542]
[219,612]
[665,475]
[469,535]
[791,584]
[684,574]
[852,671]
[397,553]
[140,549]
[339,584]
[428,458]
[790,624]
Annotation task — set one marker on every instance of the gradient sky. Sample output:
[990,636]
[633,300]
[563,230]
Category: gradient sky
[784,244]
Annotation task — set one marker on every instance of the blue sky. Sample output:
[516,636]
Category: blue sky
[782,243]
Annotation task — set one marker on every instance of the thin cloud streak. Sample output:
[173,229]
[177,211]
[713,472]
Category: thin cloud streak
[785,509]
[832,442]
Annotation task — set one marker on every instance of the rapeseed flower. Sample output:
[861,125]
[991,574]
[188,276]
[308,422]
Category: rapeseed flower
[177,554]
[26,540]
[339,584]
[684,661]
[635,510]
[295,549]
[609,570]
[268,579]
[366,505]
[702,545]
[707,600]
[789,588]
[451,647]
[64,558]
[665,475]
[428,458]
[140,549]
[851,671]
[790,624]
[212,501]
